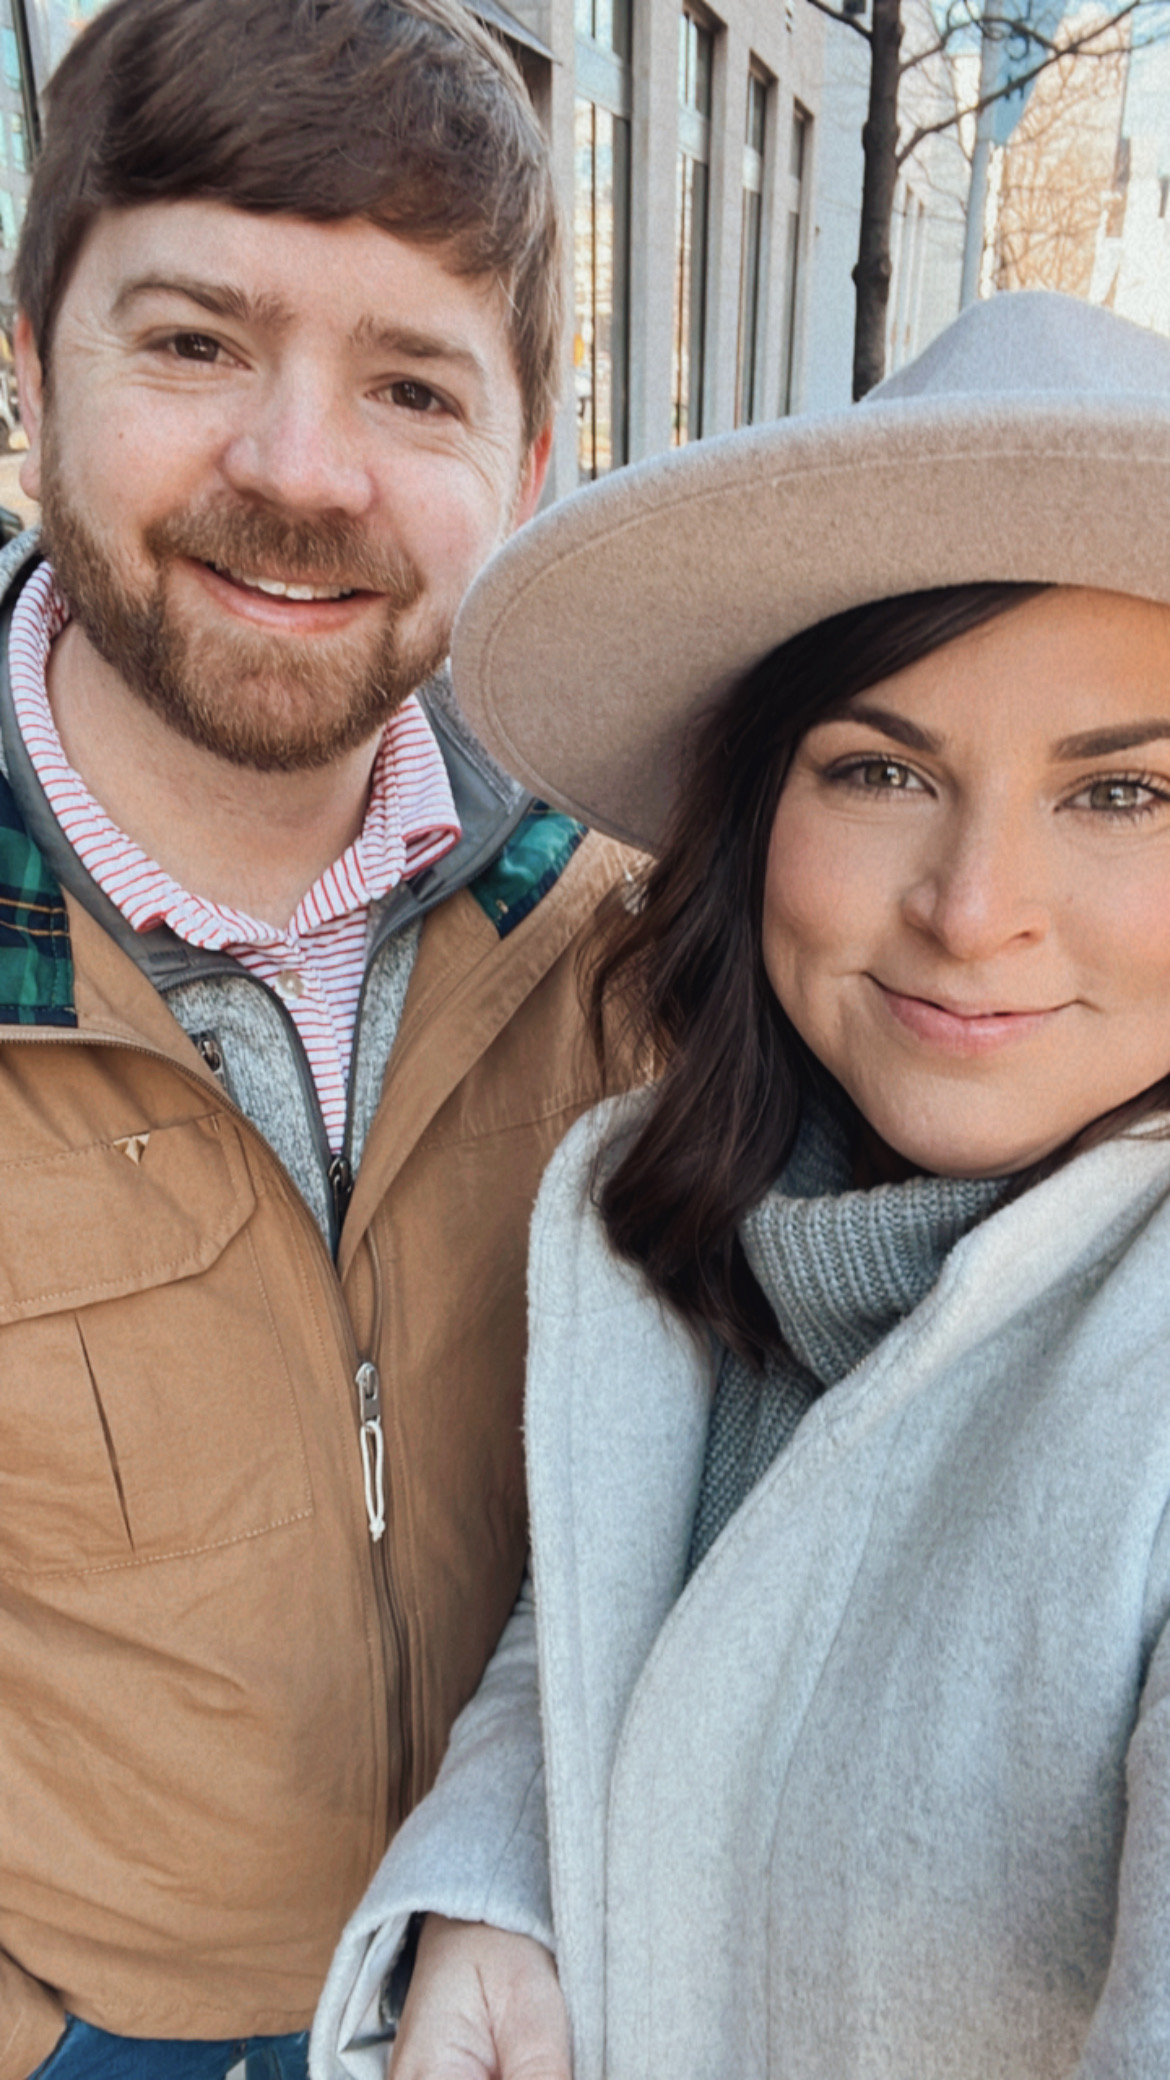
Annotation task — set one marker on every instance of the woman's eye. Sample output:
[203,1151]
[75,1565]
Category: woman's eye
[879,776]
[415,397]
[1121,797]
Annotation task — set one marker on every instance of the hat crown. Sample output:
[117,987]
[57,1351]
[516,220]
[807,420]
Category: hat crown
[1035,341]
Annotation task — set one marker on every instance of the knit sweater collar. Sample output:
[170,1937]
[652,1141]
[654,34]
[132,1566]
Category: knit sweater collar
[842,1267]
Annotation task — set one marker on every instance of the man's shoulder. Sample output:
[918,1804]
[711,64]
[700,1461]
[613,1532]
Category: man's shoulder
[36,956]
[514,850]
[527,867]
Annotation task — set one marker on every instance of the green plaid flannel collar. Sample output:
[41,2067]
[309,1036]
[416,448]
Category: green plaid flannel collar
[36,958]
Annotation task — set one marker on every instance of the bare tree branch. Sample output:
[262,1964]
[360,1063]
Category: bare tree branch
[850,20]
[932,50]
[960,17]
[1077,46]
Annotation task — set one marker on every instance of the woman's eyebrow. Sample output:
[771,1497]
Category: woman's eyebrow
[1100,743]
[890,725]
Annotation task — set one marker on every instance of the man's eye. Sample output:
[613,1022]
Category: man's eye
[194,346]
[414,397]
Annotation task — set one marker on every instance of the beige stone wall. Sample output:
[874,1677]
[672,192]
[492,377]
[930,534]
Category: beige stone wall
[1058,169]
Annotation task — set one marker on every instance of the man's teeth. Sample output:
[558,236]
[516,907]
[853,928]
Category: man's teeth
[279,590]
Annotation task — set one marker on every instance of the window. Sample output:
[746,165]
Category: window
[797,165]
[601,235]
[749,401]
[908,243]
[695,53]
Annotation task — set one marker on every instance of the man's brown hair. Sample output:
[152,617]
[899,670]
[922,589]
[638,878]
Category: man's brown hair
[404,112]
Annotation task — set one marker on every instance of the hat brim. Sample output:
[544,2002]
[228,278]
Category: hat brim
[584,652]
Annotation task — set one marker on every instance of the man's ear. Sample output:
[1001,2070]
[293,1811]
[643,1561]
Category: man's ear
[532,477]
[30,384]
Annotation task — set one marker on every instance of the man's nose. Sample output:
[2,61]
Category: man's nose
[984,886]
[301,448]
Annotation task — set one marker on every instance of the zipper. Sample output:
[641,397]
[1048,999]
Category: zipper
[340,1178]
[377,1476]
[373,1445]
[397,1621]
[340,1175]
[376,1479]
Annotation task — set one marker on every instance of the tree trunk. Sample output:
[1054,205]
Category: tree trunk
[879,143]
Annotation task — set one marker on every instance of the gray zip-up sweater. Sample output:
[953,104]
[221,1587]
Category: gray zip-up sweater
[884,1792]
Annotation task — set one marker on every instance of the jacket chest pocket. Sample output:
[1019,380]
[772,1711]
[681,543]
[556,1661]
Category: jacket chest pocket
[145,1404]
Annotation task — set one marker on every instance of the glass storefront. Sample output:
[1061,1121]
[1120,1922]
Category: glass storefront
[695,53]
[601,235]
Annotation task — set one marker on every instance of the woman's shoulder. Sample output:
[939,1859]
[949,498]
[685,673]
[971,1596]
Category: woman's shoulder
[572,1268]
[590,1148]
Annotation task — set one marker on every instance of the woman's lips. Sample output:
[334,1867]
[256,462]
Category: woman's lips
[959,1031]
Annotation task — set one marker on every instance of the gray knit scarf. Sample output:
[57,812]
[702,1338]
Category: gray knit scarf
[841,1268]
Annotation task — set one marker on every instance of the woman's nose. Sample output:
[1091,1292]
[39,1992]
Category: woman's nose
[983,888]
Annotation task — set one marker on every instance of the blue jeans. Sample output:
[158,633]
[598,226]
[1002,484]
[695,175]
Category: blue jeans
[85,2053]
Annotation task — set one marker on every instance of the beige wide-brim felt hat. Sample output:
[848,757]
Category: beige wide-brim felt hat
[1031,441]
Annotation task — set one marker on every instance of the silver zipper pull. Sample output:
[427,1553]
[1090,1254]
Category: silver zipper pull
[373,1446]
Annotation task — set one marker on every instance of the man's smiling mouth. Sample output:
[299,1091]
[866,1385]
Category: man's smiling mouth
[282,588]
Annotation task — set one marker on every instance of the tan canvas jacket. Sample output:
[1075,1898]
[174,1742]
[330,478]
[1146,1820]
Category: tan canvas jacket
[218,1693]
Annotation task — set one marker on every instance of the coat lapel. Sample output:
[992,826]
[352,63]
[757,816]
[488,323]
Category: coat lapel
[615,1450]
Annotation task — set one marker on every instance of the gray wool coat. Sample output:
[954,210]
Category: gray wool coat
[884,1792]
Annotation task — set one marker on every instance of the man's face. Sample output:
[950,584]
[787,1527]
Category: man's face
[271,457]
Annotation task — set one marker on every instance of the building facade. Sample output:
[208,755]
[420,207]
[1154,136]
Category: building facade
[1131,262]
[685,144]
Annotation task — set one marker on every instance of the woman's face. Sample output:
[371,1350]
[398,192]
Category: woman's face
[967,909]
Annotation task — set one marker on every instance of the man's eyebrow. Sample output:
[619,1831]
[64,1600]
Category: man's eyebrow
[1101,743]
[372,336]
[221,299]
[890,725]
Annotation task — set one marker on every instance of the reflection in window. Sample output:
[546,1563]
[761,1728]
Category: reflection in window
[797,158]
[30,30]
[604,22]
[695,52]
[749,401]
[59,22]
[601,235]
[600,285]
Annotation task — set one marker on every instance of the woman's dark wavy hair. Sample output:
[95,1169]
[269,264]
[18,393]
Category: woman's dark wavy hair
[685,970]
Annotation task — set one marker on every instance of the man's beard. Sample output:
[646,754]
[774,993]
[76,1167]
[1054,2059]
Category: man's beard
[272,703]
